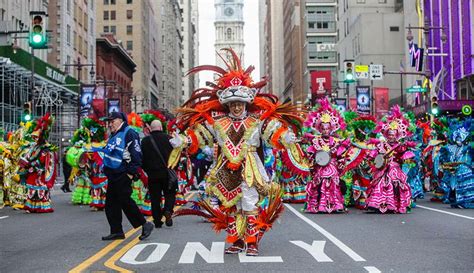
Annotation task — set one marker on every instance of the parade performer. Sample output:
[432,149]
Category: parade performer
[18,142]
[140,185]
[38,168]
[389,190]
[233,115]
[87,173]
[325,193]
[357,158]
[98,179]
[456,165]
[430,157]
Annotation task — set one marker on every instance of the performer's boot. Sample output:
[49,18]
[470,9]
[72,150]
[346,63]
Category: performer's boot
[251,236]
[238,244]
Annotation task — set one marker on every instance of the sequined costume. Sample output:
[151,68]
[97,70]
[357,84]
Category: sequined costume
[238,176]
[38,168]
[456,165]
[389,189]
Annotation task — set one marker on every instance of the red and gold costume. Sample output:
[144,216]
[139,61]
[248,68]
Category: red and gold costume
[237,177]
[38,168]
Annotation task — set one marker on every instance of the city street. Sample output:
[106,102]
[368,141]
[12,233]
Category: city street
[433,238]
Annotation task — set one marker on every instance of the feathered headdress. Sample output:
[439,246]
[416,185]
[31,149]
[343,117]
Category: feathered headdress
[135,121]
[395,121]
[459,130]
[92,130]
[363,126]
[325,113]
[43,127]
[233,84]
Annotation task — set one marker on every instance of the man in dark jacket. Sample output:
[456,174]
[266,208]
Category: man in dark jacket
[122,158]
[157,173]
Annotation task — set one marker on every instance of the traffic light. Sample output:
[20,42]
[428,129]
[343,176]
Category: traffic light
[349,71]
[38,38]
[434,106]
[26,116]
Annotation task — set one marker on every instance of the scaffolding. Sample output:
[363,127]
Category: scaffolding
[49,96]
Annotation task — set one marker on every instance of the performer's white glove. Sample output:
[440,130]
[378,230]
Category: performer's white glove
[290,137]
[176,140]
[208,151]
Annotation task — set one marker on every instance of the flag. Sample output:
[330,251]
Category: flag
[402,67]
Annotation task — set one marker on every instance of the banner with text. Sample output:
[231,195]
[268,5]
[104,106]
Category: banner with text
[381,100]
[353,104]
[363,99]
[320,82]
[113,105]
[87,94]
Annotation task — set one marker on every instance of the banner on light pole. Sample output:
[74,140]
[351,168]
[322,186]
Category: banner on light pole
[113,105]
[87,95]
[363,99]
[381,101]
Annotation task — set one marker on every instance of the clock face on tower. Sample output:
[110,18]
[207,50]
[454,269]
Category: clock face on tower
[229,12]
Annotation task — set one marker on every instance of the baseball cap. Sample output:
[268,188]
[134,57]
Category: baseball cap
[115,115]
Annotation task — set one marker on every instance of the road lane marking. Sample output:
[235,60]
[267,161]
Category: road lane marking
[351,253]
[243,258]
[372,269]
[99,255]
[316,250]
[215,255]
[155,256]
[3,217]
[446,212]
[110,263]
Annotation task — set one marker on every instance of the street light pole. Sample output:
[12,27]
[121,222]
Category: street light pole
[79,66]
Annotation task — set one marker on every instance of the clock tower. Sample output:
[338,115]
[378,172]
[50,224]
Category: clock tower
[229,27]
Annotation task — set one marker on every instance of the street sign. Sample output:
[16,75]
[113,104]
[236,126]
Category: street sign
[362,71]
[416,89]
[376,72]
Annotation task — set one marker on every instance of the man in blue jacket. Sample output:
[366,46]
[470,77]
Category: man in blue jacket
[122,158]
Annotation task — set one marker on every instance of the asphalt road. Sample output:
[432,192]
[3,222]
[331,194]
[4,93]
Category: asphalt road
[426,240]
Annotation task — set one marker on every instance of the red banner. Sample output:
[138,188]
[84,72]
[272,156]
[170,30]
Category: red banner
[320,82]
[353,104]
[381,101]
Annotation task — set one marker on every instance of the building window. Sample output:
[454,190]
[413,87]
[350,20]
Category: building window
[129,45]
[75,40]
[129,1]
[112,15]
[112,2]
[68,6]
[113,29]
[129,14]
[383,1]
[68,34]
[106,29]
[360,1]
[229,34]
[394,29]
[129,29]
[106,15]
[92,28]
[106,2]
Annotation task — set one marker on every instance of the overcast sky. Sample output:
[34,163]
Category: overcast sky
[207,37]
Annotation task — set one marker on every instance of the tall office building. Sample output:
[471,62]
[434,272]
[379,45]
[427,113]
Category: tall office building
[190,46]
[384,42]
[134,25]
[170,43]
[73,36]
